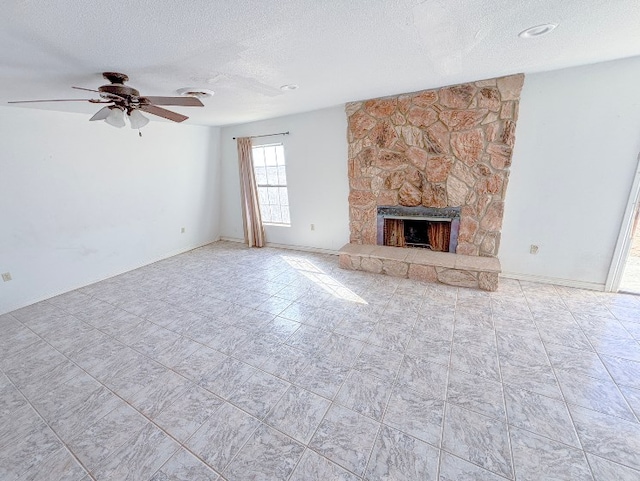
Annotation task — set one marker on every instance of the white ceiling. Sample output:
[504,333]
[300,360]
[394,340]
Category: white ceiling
[335,50]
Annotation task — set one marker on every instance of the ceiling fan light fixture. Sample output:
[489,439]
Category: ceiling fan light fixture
[137,120]
[101,114]
[115,117]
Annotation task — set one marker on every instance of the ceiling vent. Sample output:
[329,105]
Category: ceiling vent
[537,31]
[195,92]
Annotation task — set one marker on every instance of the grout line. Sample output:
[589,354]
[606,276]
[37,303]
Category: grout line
[446,391]
[384,413]
[504,398]
[564,400]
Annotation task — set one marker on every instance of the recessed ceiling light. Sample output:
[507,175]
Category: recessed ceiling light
[289,87]
[538,30]
[195,92]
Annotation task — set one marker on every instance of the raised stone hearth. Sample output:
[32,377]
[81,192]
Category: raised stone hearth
[423,265]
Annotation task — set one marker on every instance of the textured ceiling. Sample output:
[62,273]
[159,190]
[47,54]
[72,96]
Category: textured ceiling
[335,50]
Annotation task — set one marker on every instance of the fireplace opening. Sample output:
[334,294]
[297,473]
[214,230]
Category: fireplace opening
[416,233]
[426,228]
[426,234]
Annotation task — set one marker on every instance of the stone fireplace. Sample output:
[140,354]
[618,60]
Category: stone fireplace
[443,148]
[446,149]
[424,227]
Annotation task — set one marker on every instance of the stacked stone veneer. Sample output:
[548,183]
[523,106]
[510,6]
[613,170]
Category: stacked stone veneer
[437,148]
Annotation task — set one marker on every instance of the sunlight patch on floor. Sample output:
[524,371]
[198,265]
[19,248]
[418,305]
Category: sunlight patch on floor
[318,276]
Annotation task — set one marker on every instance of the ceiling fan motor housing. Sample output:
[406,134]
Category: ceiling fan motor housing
[116,77]
[120,90]
[128,95]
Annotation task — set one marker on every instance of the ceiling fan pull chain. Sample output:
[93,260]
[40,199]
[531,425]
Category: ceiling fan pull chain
[140,132]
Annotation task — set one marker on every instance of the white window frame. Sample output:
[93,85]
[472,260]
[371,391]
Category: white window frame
[278,185]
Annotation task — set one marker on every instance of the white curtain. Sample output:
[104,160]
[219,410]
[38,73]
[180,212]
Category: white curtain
[253,229]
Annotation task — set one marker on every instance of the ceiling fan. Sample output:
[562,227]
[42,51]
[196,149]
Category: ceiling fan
[127,101]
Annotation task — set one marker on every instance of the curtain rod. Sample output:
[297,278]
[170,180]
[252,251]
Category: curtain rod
[266,135]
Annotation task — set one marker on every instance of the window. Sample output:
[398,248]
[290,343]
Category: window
[271,179]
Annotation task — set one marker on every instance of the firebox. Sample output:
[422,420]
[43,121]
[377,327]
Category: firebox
[424,227]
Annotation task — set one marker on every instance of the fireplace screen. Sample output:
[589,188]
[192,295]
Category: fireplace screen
[434,235]
[425,227]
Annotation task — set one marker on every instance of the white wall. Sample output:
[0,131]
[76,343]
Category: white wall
[575,156]
[81,201]
[316,164]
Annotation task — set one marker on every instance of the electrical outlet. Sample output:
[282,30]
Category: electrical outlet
[182,231]
[533,249]
[313,227]
[6,277]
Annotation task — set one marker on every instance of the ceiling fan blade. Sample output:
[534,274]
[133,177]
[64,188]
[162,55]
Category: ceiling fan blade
[101,114]
[164,113]
[108,95]
[183,101]
[88,90]
[52,100]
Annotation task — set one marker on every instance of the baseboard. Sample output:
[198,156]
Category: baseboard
[317,250]
[146,262]
[231,239]
[593,286]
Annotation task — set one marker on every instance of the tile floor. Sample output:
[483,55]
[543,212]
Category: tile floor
[233,364]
